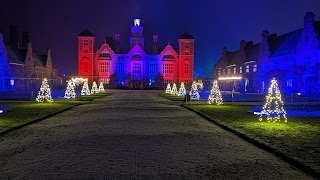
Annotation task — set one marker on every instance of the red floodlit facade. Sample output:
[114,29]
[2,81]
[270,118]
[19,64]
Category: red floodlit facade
[137,61]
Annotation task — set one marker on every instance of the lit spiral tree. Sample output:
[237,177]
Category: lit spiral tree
[70,92]
[174,90]
[215,94]
[274,105]
[94,88]
[44,95]
[85,89]
[182,90]
[194,94]
[101,87]
[168,90]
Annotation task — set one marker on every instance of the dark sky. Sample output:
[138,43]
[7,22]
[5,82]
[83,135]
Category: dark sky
[55,24]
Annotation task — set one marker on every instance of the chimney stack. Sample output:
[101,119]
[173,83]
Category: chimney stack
[13,35]
[26,38]
[155,44]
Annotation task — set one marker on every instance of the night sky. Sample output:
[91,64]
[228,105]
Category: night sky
[55,24]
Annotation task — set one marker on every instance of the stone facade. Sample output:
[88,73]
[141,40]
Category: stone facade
[136,62]
[22,69]
[293,58]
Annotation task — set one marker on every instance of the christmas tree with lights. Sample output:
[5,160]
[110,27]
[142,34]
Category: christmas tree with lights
[215,94]
[194,94]
[182,90]
[44,95]
[70,92]
[101,87]
[168,90]
[85,89]
[174,89]
[94,88]
[273,107]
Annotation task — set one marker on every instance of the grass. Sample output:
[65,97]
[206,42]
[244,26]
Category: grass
[26,112]
[171,97]
[298,139]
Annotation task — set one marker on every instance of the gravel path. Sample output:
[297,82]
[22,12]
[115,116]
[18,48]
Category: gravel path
[134,135]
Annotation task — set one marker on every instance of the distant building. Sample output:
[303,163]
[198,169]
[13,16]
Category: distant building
[22,69]
[293,58]
[136,62]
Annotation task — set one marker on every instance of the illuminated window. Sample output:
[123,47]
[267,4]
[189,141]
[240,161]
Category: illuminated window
[167,68]
[186,68]
[247,68]
[85,67]
[229,70]
[136,68]
[255,68]
[85,42]
[234,70]
[186,46]
[104,56]
[121,67]
[240,70]
[219,72]
[152,68]
[224,71]
[103,67]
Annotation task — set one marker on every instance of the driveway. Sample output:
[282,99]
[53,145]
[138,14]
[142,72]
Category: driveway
[134,135]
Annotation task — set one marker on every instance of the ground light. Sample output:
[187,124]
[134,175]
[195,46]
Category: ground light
[215,94]
[44,94]
[273,107]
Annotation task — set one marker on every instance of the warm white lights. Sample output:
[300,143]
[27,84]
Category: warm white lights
[94,88]
[182,90]
[168,90]
[101,87]
[215,94]
[229,78]
[70,92]
[45,93]
[174,90]
[194,94]
[85,88]
[274,105]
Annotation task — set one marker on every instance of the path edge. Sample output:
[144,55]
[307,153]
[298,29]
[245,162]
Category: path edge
[307,169]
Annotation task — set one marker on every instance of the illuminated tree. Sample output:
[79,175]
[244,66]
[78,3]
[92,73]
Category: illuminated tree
[215,94]
[44,95]
[174,90]
[101,87]
[182,90]
[70,92]
[273,107]
[94,88]
[168,90]
[194,94]
[85,89]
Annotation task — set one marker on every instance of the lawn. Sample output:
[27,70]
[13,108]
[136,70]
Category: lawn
[26,112]
[171,97]
[299,138]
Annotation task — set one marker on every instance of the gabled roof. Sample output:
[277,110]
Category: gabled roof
[285,44]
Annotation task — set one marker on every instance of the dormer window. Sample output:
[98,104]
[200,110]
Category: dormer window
[104,56]
[136,56]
